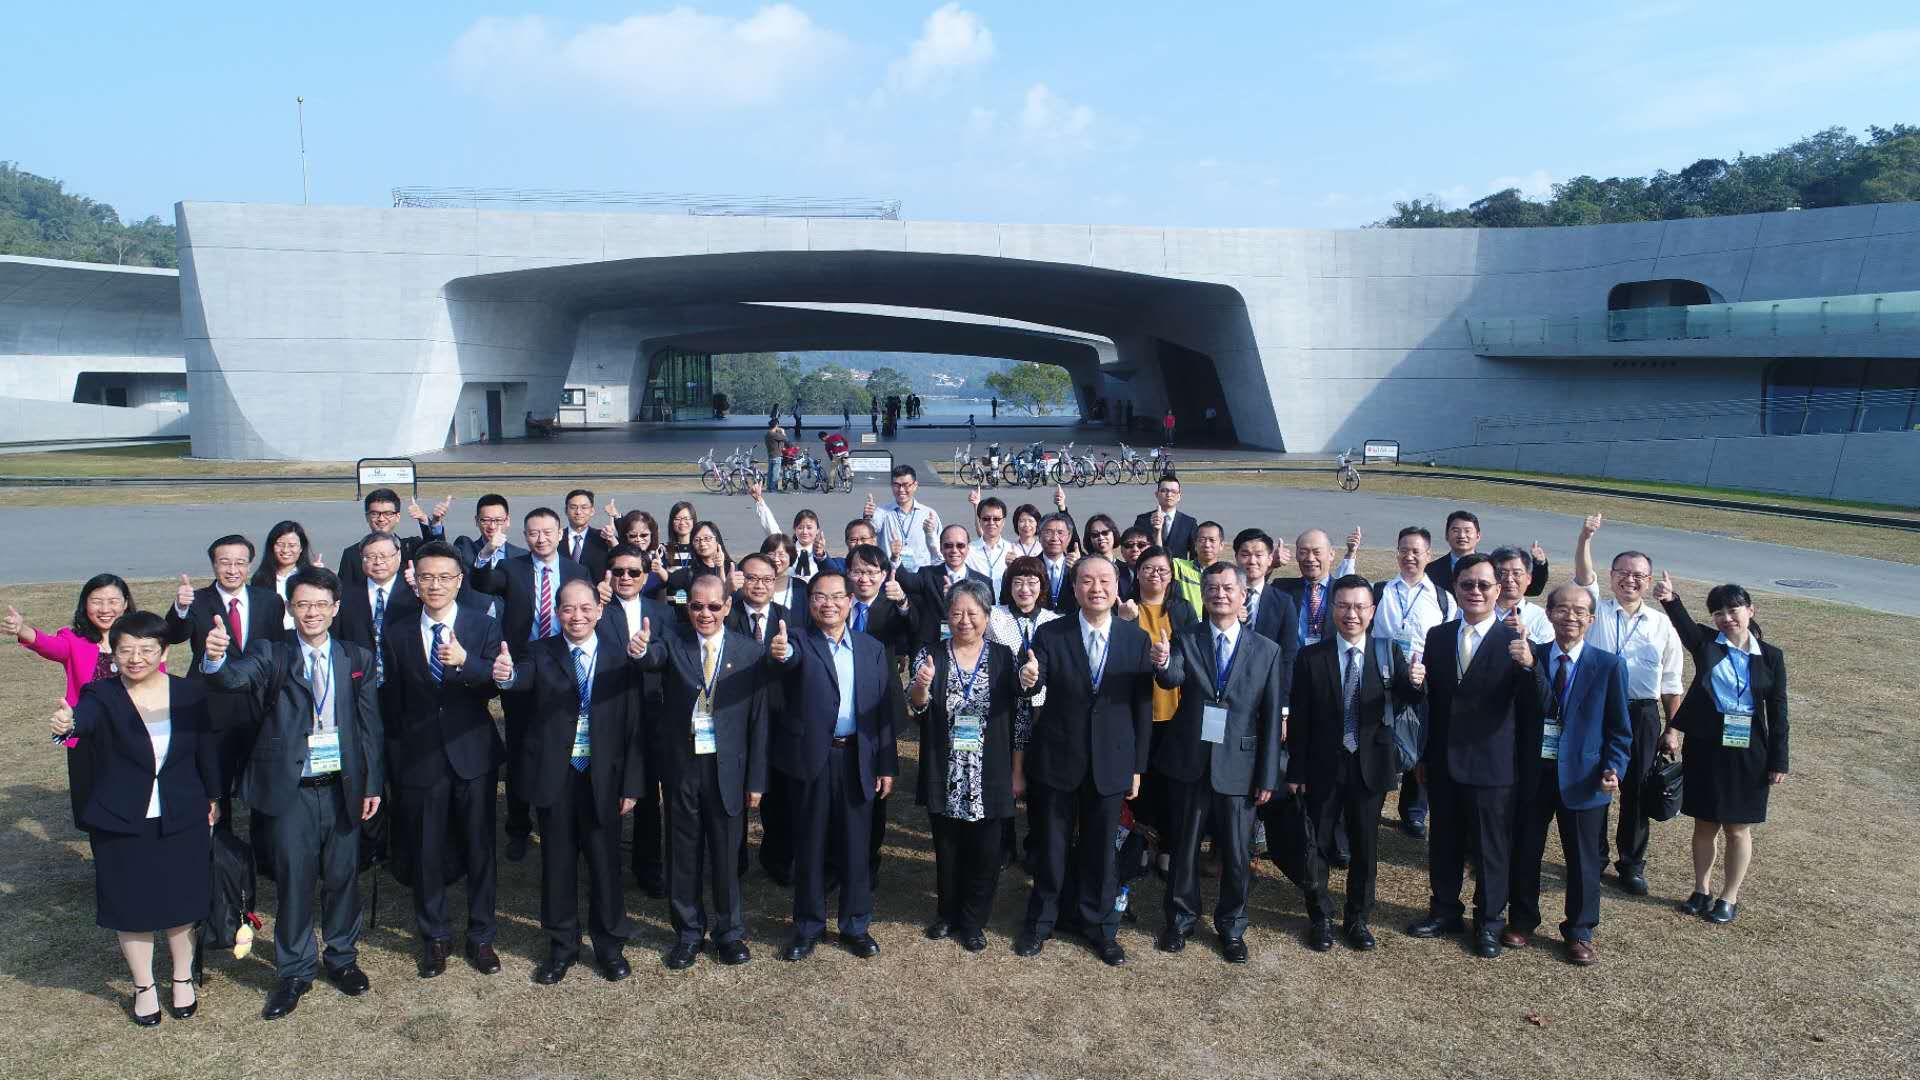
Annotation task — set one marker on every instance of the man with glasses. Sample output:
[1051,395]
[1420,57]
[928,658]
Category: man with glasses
[382,508]
[1209,544]
[581,542]
[1641,634]
[1056,532]
[756,614]
[492,518]
[991,552]
[1514,568]
[625,610]
[1170,527]
[1463,539]
[929,586]
[906,530]
[250,613]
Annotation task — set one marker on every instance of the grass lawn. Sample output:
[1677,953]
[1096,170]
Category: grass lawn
[1814,979]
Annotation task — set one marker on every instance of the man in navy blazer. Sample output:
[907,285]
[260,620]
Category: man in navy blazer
[624,610]
[262,612]
[1174,529]
[492,518]
[833,741]
[927,587]
[1571,758]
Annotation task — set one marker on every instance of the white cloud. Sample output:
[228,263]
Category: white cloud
[951,40]
[1048,117]
[1743,82]
[676,59]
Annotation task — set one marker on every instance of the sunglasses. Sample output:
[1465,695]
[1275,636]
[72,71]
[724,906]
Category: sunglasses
[627,572]
[1477,586]
[695,606]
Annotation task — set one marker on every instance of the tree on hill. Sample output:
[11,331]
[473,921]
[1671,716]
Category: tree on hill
[888,380]
[826,388]
[752,381]
[39,219]
[1037,388]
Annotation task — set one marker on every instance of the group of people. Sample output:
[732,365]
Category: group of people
[1154,681]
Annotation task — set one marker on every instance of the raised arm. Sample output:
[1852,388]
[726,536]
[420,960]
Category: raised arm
[1583,550]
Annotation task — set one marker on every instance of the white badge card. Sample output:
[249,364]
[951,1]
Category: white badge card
[1411,642]
[945,630]
[680,597]
[582,745]
[968,736]
[1550,741]
[1213,723]
[1736,730]
[323,751]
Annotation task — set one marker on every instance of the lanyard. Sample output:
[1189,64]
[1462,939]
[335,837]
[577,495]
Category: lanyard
[967,685]
[1739,669]
[1622,636]
[1409,596]
[1224,672]
[720,651]
[1025,623]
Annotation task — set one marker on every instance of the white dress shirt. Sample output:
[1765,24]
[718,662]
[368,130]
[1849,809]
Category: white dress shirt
[991,560]
[1646,640]
[1416,608]
[910,526]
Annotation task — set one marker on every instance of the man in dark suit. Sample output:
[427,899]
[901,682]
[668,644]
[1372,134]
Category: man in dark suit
[1463,539]
[260,616]
[530,587]
[713,742]
[1085,754]
[492,518]
[580,541]
[315,774]
[883,611]
[1272,611]
[1222,754]
[928,585]
[443,757]
[1571,758]
[1340,753]
[833,740]
[755,613]
[380,600]
[382,507]
[583,773]
[620,619]
[1057,592]
[1477,677]
[1170,528]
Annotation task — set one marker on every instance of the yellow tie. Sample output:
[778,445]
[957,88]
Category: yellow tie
[1466,650]
[709,659]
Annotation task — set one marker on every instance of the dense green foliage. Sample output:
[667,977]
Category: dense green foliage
[37,218]
[1037,388]
[1828,168]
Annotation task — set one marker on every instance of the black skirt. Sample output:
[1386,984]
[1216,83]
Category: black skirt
[1727,784]
[148,880]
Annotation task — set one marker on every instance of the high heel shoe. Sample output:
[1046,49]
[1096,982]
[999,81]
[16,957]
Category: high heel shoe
[182,1012]
[148,1019]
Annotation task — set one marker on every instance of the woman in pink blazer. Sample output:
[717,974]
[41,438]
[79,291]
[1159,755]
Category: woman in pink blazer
[82,650]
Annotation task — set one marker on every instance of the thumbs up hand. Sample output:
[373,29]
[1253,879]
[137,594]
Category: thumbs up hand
[973,499]
[11,627]
[637,644]
[1060,497]
[1663,592]
[217,640]
[778,646]
[1030,671]
[1592,525]
[62,724]
[893,590]
[1162,650]
[896,546]
[1127,610]
[452,654]
[1519,648]
[503,665]
[867,511]
[923,677]
[605,588]
[183,596]
[613,512]
[440,510]
[927,526]
[1417,674]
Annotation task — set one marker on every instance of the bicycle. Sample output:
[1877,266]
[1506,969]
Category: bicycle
[1349,476]
[1130,467]
[742,470]
[973,471]
[712,476]
[1161,466]
[1030,466]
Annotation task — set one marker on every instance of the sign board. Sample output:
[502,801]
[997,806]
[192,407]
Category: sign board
[868,438]
[1381,452]
[871,462]
[397,473]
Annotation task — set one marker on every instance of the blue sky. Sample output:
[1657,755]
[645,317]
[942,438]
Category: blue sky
[1263,114]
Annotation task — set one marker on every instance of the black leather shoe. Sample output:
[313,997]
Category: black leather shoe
[613,966]
[1415,829]
[1698,904]
[146,1019]
[482,958]
[433,958]
[1234,949]
[1722,912]
[1108,950]
[938,931]
[973,941]
[516,847]
[1320,936]
[1340,861]
[1486,945]
[1171,941]
[1028,944]
[285,998]
[184,1012]
[733,953]
[860,945]
[1632,882]
[680,957]
[799,948]
[349,980]
[552,971]
[1434,926]
[1359,938]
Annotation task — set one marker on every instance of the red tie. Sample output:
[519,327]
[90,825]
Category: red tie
[235,632]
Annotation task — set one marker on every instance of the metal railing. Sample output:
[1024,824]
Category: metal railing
[648,202]
[1792,412]
[1863,313]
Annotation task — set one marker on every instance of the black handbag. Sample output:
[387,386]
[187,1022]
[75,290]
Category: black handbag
[1660,794]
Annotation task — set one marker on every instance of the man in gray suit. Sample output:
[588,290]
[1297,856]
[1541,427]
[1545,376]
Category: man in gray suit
[315,774]
[1222,753]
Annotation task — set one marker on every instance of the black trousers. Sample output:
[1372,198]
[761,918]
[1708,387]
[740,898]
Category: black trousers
[1582,835]
[316,842]
[776,825]
[649,835]
[1634,824]
[1413,799]
[1055,815]
[702,838]
[1468,820]
[1342,807]
[966,864]
[517,707]
[457,814]
[569,829]
[1198,810]
[832,821]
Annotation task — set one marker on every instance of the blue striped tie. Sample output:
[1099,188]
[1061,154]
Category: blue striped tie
[584,682]
[379,628]
[433,654]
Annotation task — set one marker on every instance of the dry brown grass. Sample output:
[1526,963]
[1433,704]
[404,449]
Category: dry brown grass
[1814,979]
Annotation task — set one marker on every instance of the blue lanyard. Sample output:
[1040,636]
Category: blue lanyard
[1408,598]
[1622,636]
[706,687]
[1740,669]
[967,685]
[1225,672]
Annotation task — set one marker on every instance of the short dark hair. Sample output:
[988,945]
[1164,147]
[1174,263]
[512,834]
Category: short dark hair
[1169,478]
[1351,581]
[621,550]
[438,549]
[1632,554]
[1467,516]
[1214,525]
[1030,510]
[1061,518]
[1135,530]
[1727,596]
[847,533]
[230,540]
[906,471]
[754,556]
[1414,530]
[385,495]
[1225,567]
[492,499]
[83,625]
[824,575]
[1468,562]
[991,502]
[541,511]
[778,542]
[318,577]
[869,554]
[578,491]
[1248,536]
[1509,553]
[137,624]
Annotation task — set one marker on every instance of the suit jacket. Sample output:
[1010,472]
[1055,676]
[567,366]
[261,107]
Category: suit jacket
[593,551]
[1699,715]
[354,621]
[469,549]
[1295,589]
[1277,619]
[1067,603]
[1595,732]
[886,623]
[352,573]
[613,627]
[1081,733]
[801,733]
[266,621]
[272,774]
[1473,722]
[437,729]
[123,773]
[1179,543]
[1249,757]
[1002,695]
[1440,572]
[926,590]
[739,709]
[515,581]
[616,758]
[1318,725]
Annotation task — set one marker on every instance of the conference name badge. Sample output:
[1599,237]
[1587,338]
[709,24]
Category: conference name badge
[1213,723]
[323,752]
[1736,730]
[582,745]
[945,631]
[1410,642]
[968,736]
[680,597]
[1550,741]
[703,738]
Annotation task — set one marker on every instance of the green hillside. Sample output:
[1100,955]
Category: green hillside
[39,218]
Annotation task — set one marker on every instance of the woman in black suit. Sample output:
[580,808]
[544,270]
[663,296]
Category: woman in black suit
[967,781]
[1734,719]
[151,808]
[285,553]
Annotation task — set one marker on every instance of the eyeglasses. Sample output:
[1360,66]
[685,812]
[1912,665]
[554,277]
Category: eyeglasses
[491,522]
[695,605]
[310,607]
[1510,575]
[1137,544]
[441,579]
[759,579]
[232,564]
[146,652]
[1221,589]
[1476,585]
[1629,575]
[1097,533]
[383,514]
[629,571]
[1153,571]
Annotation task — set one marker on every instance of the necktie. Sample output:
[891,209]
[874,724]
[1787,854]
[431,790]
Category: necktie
[1253,605]
[583,682]
[379,627]
[1097,658]
[1560,685]
[236,633]
[1221,658]
[758,621]
[1349,693]
[544,628]
[1313,606]
[709,659]
[433,654]
[321,679]
[1053,575]
[860,616]
[578,543]
[1466,650]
